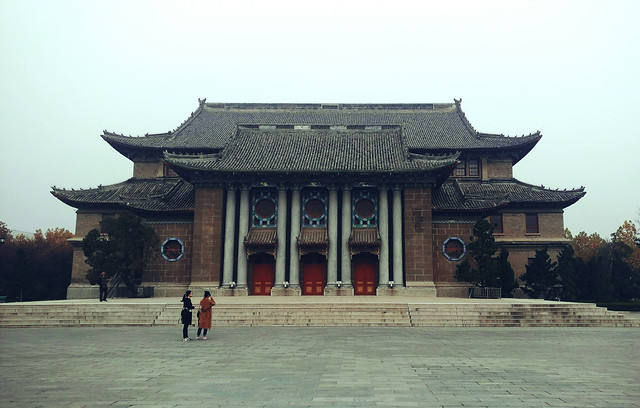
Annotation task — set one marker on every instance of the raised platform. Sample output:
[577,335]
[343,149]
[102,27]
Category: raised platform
[318,311]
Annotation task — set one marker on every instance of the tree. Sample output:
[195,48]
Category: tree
[587,246]
[122,252]
[37,268]
[506,277]
[570,270]
[482,247]
[541,277]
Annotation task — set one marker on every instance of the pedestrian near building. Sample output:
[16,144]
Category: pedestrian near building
[187,307]
[104,287]
[206,312]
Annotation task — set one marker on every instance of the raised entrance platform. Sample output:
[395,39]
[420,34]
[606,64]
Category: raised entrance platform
[317,311]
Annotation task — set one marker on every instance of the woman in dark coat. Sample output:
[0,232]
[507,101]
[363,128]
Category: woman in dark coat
[187,307]
[204,317]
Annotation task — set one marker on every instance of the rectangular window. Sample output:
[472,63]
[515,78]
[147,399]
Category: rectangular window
[467,168]
[496,221]
[532,223]
[474,168]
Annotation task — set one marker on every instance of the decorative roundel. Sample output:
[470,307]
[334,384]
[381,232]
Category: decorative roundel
[314,208]
[265,209]
[454,249]
[365,208]
[172,249]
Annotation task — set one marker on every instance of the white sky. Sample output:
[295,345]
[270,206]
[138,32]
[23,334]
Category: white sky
[70,69]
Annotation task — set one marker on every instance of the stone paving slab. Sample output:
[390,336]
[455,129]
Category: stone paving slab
[140,367]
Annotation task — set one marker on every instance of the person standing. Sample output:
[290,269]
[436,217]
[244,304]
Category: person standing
[187,307]
[104,286]
[204,317]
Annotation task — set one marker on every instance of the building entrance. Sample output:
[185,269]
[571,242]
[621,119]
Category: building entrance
[313,274]
[365,274]
[263,276]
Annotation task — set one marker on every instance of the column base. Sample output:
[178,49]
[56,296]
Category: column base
[282,291]
[338,291]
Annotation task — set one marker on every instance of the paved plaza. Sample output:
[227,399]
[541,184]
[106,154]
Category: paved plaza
[320,367]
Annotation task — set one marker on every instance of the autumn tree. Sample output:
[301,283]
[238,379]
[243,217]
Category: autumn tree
[37,268]
[587,246]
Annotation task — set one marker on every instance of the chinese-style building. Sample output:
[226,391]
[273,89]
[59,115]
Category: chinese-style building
[322,199]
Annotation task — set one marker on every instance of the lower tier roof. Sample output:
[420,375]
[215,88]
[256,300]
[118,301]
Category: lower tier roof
[177,196]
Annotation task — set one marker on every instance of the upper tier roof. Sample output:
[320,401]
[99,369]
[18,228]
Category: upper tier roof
[425,127]
[314,151]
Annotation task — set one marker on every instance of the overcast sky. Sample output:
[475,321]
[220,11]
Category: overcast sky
[70,69]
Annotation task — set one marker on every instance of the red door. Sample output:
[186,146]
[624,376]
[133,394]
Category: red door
[264,270]
[313,275]
[364,277]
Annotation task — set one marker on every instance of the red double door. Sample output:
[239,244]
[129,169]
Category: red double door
[264,271]
[364,276]
[313,275]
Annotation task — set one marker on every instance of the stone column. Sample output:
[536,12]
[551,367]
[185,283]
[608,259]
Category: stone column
[281,252]
[243,229]
[346,233]
[294,262]
[332,261]
[229,234]
[383,225]
[397,236]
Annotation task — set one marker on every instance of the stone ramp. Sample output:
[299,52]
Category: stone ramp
[318,312]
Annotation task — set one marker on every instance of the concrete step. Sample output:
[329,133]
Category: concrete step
[321,314]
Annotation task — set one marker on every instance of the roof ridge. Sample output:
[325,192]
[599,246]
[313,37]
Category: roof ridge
[194,114]
[463,116]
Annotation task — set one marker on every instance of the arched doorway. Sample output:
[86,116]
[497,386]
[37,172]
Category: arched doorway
[314,268]
[263,274]
[365,274]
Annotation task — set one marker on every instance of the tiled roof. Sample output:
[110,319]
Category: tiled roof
[313,237]
[364,151]
[364,237]
[426,127]
[476,195]
[155,195]
[261,240]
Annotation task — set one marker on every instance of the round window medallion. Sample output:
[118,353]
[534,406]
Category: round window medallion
[365,208]
[454,249]
[314,208]
[172,249]
[265,209]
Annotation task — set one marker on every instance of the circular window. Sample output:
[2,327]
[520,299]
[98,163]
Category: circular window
[454,249]
[314,208]
[265,209]
[172,249]
[365,208]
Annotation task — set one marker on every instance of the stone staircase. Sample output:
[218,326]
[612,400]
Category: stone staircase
[477,314]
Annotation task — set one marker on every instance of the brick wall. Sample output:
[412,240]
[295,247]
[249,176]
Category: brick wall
[418,235]
[550,224]
[85,222]
[147,170]
[163,271]
[444,270]
[499,168]
[207,234]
